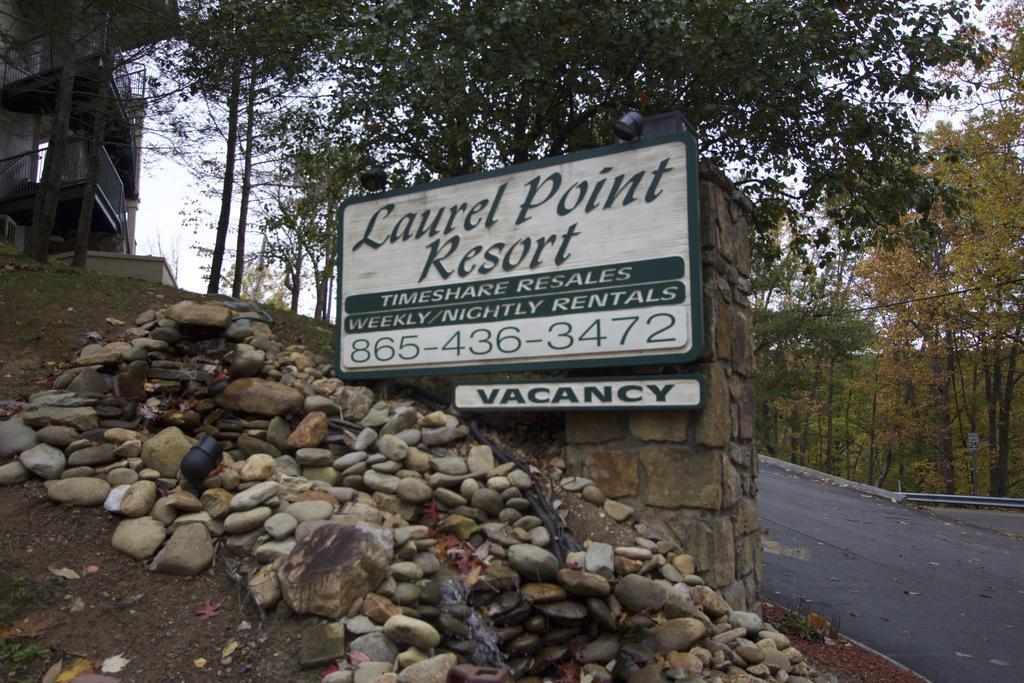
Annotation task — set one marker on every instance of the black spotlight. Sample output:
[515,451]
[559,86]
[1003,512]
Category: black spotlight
[373,179]
[628,127]
[201,459]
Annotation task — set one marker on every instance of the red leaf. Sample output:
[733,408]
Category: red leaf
[209,609]
[357,657]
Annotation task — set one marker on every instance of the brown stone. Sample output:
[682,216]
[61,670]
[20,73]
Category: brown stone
[260,397]
[742,343]
[745,555]
[746,517]
[542,592]
[659,425]
[378,608]
[677,477]
[713,421]
[200,315]
[615,473]
[745,404]
[712,544]
[310,432]
[595,427]
[714,604]
[216,502]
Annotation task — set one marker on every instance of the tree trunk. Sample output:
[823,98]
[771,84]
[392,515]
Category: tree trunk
[229,183]
[95,156]
[1002,474]
[243,211]
[44,206]
[830,465]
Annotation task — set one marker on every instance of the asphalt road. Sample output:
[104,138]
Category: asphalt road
[943,597]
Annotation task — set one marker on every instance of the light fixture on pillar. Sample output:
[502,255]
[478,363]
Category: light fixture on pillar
[628,127]
[373,179]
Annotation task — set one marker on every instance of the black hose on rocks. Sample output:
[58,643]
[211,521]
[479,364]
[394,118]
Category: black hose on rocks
[562,541]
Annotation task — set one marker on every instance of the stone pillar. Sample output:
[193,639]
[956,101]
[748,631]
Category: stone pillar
[692,474]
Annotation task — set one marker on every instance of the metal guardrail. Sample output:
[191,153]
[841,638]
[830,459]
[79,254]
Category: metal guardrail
[973,501]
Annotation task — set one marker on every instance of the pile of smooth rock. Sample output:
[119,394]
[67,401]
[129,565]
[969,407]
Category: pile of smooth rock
[412,546]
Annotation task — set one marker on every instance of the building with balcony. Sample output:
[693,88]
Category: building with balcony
[30,73]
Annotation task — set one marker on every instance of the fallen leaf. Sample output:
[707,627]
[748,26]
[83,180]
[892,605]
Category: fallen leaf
[51,674]
[91,569]
[114,321]
[81,666]
[357,657]
[229,648]
[244,626]
[199,663]
[912,594]
[115,664]
[209,609]
[998,662]
[31,626]
[64,573]
[964,655]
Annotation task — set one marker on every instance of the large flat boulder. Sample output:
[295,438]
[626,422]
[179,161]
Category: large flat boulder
[260,397]
[335,566]
[191,314]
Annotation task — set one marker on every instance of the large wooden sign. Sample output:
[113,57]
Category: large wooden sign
[587,260]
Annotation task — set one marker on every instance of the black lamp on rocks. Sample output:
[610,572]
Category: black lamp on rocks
[201,459]
[373,179]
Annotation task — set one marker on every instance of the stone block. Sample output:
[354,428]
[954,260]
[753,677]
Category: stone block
[745,405]
[712,543]
[677,477]
[745,554]
[742,343]
[659,425]
[723,333]
[736,595]
[615,473]
[713,422]
[732,486]
[595,427]
[746,516]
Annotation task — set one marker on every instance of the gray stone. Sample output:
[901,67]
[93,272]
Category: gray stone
[286,464]
[403,420]
[674,634]
[310,509]
[139,538]
[350,459]
[13,473]
[365,439]
[355,402]
[251,497]
[44,461]
[321,404]
[433,670]
[89,381]
[247,363]
[281,525]
[15,437]
[55,435]
[392,448]
[414,490]
[360,625]
[747,620]
[260,397]
[278,431]
[246,520]
[83,491]
[385,483]
[600,560]
[164,451]
[377,416]
[411,437]
[188,552]
[532,563]
[480,459]
[637,593]
[410,631]
[314,457]
[322,644]
[138,499]
[487,500]
[376,646]
[92,456]
[273,551]
[444,435]
[82,419]
[450,465]
[122,476]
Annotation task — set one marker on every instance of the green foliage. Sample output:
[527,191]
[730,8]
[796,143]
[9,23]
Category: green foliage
[16,656]
[778,89]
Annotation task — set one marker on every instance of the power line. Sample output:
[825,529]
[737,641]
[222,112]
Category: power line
[940,295]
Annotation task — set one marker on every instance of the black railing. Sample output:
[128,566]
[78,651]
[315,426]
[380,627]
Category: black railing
[38,56]
[20,176]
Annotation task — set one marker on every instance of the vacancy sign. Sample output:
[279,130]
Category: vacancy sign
[620,393]
[586,260]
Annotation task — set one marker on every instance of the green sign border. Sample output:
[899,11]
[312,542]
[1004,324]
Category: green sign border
[701,380]
[644,358]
